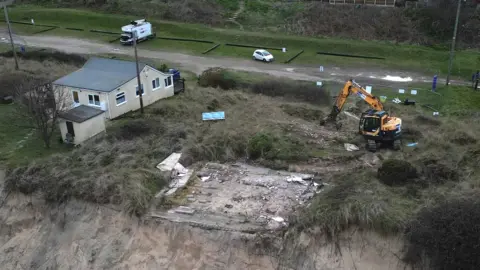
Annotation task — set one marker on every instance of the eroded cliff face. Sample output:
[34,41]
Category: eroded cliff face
[77,235]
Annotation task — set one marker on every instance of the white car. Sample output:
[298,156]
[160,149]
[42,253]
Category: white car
[263,55]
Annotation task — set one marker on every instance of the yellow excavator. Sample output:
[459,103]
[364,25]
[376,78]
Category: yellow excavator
[376,126]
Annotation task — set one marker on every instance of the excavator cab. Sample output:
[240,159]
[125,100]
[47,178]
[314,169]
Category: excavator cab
[370,122]
[377,127]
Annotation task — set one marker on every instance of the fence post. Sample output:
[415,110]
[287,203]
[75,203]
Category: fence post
[477,79]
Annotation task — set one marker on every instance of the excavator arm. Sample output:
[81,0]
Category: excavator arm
[352,87]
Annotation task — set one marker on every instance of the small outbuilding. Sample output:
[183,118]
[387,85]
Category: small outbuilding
[81,123]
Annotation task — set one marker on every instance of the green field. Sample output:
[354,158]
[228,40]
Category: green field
[20,144]
[400,56]
[451,100]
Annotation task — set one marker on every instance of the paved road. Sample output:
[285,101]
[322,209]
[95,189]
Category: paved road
[362,74]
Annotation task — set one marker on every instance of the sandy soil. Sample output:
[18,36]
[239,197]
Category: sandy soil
[77,235]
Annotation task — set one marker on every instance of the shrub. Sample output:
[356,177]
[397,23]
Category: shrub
[25,179]
[213,105]
[394,172]
[271,147]
[445,236]
[260,144]
[471,156]
[217,77]
[463,138]
[163,68]
[427,120]
[438,172]
[302,112]
[225,145]
[9,83]
[137,127]
[107,159]
[86,174]
[140,190]
[411,133]
[169,110]
[44,55]
[298,90]
[355,200]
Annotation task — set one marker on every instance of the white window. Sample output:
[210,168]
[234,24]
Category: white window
[168,81]
[136,90]
[155,84]
[94,100]
[120,98]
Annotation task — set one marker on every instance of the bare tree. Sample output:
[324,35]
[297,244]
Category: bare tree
[39,106]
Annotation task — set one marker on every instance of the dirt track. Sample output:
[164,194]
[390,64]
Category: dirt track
[362,74]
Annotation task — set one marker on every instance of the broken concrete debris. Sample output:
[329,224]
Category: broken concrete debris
[175,172]
[255,197]
[297,179]
[351,147]
[184,210]
[278,219]
[168,164]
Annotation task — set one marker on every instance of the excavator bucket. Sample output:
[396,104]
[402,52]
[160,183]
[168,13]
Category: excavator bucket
[331,119]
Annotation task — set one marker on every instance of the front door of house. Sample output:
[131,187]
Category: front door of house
[70,128]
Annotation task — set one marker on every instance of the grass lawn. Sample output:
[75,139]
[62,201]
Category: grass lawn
[20,145]
[451,100]
[407,57]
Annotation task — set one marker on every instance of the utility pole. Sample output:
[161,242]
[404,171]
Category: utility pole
[452,50]
[4,5]
[140,88]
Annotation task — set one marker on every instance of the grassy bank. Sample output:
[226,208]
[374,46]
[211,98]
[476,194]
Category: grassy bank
[19,141]
[400,56]
[19,144]
[120,168]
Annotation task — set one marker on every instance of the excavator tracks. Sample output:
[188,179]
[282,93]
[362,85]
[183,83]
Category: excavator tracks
[397,144]
[372,145]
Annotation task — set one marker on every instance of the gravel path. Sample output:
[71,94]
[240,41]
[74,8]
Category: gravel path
[363,74]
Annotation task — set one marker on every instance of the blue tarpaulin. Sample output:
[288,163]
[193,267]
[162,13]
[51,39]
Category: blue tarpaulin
[213,116]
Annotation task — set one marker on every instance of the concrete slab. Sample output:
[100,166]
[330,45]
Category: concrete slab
[168,164]
[243,197]
[179,182]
